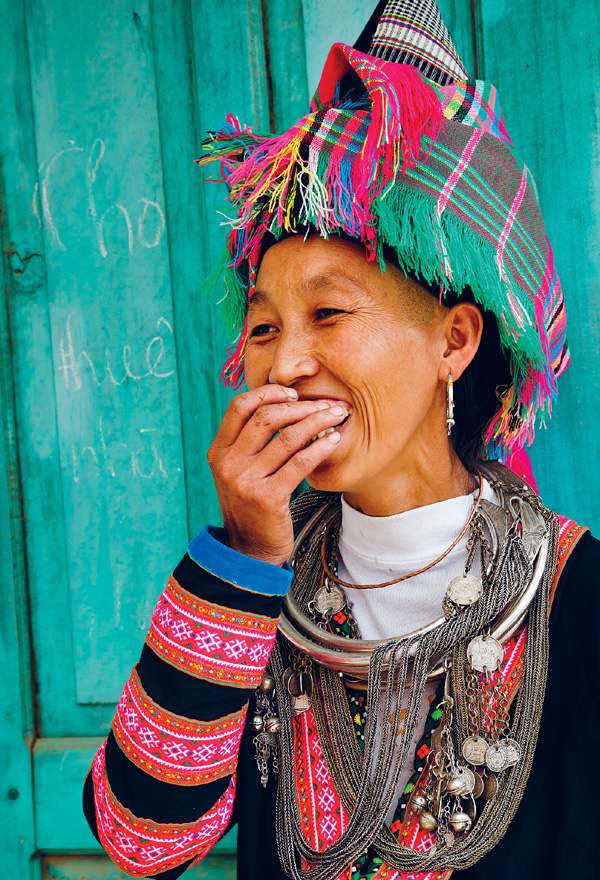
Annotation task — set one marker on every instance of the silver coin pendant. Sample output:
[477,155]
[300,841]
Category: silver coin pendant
[329,600]
[513,751]
[485,653]
[496,758]
[465,589]
[474,749]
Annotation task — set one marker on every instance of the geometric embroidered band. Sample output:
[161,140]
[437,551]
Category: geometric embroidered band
[208,641]
[141,847]
[169,747]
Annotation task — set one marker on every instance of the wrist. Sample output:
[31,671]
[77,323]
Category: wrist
[256,554]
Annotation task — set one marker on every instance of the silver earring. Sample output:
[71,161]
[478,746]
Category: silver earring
[450,422]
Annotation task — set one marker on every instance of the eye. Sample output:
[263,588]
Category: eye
[328,310]
[259,327]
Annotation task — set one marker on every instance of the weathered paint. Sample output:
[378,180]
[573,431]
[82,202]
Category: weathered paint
[545,62]
[109,383]
[16,706]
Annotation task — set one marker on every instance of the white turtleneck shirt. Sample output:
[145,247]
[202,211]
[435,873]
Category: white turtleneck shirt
[374,549]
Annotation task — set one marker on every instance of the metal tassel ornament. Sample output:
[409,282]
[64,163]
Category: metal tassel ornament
[366,780]
[450,421]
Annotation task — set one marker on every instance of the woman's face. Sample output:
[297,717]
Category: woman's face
[330,324]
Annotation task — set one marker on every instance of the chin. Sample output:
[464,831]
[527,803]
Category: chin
[326,477]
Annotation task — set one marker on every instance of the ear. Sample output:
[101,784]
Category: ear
[463,328]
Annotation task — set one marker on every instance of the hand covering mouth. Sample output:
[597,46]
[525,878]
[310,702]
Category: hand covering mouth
[328,430]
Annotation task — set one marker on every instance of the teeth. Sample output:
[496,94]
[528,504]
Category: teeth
[322,434]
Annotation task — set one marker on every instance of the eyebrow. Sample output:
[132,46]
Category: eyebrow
[323,279]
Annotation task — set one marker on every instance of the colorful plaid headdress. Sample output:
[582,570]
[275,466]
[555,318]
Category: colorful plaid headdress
[402,148]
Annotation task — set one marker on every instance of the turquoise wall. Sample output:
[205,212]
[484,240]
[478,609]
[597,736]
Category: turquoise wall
[109,353]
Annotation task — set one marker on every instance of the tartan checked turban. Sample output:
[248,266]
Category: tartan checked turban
[401,148]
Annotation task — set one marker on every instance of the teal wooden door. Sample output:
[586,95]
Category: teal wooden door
[111,344]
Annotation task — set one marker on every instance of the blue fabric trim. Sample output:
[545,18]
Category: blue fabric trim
[211,552]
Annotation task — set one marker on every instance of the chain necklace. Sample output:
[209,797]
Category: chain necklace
[366,781]
[334,577]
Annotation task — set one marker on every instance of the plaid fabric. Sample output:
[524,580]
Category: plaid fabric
[413,32]
[426,168]
[475,102]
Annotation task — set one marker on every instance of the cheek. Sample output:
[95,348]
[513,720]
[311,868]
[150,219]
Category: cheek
[394,381]
[257,364]
[395,357]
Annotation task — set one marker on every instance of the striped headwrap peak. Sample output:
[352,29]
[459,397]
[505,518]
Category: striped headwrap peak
[401,148]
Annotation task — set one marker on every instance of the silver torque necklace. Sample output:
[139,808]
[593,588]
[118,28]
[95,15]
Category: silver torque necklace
[523,536]
[491,527]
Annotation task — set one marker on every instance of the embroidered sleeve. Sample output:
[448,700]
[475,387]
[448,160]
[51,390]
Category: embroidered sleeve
[160,791]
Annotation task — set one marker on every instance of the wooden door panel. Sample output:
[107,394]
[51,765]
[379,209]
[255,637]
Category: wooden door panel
[546,65]
[99,199]
[117,336]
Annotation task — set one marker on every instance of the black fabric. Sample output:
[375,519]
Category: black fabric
[202,583]
[553,833]
[90,815]
[184,695]
[151,798]
[363,42]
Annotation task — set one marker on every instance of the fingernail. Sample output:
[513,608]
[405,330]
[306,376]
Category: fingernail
[291,392]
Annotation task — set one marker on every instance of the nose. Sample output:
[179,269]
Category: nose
[292,359]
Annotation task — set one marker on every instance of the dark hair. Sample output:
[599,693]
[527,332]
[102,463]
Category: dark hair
[477,392]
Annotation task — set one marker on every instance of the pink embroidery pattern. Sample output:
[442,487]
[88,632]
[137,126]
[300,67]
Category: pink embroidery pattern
[169,747]
[210,641]
[140,847]
[322,814]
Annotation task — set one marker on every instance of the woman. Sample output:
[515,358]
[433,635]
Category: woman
[423,751]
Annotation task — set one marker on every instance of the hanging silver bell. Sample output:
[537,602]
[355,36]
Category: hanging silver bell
[272,724]
[460,782]
[267,683]
[428,822]
[257,722]
[460,822]
[418,803]
[455,784]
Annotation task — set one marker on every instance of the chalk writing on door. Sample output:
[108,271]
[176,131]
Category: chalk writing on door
[142,224]
[112,457]
[76,363]
[105,451]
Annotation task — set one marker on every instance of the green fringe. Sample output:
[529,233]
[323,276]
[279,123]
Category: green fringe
[407,222]
[233,301]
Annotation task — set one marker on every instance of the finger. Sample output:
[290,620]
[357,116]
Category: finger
[242,407]
[292,440]
[268,419]
[300,465]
